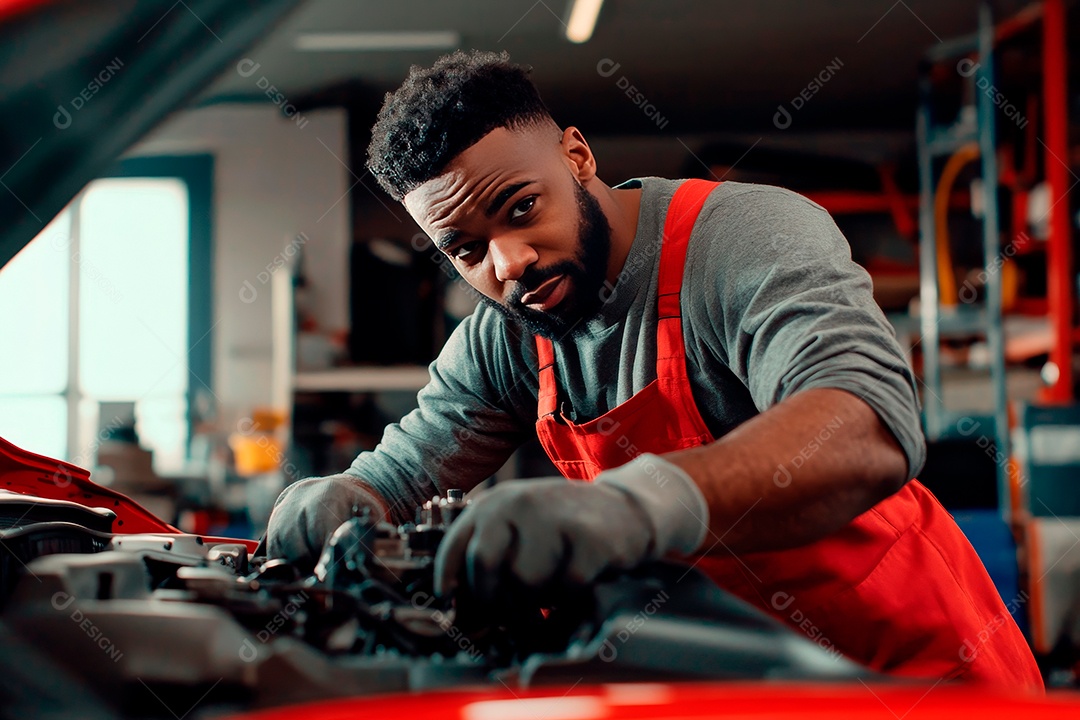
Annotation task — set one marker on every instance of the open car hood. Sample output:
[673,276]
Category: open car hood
[27,473]
[82,80]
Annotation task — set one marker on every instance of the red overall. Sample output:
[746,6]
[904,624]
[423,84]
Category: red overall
[899,589]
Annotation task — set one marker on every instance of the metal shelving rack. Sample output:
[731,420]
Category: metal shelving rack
[934,141]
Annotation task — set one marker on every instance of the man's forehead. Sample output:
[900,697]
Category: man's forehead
[446,184]
[497,157]
[436,198]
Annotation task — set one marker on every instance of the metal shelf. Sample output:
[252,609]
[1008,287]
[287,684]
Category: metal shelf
[946,141]
[960,321]
[363,379]
[936,321]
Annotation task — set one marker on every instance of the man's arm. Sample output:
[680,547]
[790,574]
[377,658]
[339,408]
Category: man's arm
[467,423]
[795,473]
[795,319]
[464,429]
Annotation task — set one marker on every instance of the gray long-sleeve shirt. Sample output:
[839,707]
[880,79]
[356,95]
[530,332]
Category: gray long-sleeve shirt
[771,303]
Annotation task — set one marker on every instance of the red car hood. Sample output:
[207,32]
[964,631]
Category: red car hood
[678,701]
[24,472]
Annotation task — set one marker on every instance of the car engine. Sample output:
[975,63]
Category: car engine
[149,622]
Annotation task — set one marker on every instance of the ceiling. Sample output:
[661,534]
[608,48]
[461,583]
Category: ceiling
[705,66]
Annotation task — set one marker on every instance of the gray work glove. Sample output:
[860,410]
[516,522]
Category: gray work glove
[551,532]
[307,512]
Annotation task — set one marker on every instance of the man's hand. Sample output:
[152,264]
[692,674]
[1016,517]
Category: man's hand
[307,512]
[551,532]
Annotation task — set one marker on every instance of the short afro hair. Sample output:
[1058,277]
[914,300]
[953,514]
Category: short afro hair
[439,112]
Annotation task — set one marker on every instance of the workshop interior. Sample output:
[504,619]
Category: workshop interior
[206,297]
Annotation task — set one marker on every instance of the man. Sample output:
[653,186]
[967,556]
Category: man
[706,354]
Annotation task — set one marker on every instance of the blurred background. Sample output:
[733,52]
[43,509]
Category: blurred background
[286,309]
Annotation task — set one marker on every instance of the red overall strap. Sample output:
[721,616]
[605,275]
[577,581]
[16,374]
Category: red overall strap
[682,213]
[547,397]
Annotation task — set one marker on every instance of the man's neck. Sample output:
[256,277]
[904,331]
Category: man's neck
[621,207]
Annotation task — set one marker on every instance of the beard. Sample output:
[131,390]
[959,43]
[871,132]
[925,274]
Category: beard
[585,275]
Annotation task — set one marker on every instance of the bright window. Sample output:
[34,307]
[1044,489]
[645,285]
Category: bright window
[128,256]
[34,295]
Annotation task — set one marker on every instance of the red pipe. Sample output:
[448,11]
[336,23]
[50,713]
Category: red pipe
[1059,257]
[1031,139]
[855,202]
[903,217]
[1018,23]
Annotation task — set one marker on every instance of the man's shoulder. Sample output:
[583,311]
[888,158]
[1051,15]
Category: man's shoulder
[755,196]
[750,212]
[733,198]
[748,224]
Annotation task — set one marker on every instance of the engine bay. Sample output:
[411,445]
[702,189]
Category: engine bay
[150,621]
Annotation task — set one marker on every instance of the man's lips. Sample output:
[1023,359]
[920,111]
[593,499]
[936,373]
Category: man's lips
[550,293]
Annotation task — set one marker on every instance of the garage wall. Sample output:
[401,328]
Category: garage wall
[274,178]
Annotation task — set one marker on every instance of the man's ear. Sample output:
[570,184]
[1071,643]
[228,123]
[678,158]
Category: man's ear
[579,156]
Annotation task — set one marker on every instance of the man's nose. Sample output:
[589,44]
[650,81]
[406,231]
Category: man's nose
[511,257]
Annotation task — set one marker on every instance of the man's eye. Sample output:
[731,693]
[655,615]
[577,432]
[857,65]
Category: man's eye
[523,207]
[465,251]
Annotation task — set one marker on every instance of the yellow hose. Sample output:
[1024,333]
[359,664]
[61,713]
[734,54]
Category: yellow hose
[946,275]
[1010,284]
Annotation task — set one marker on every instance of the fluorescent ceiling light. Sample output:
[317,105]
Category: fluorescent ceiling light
[582,22]
[377,41]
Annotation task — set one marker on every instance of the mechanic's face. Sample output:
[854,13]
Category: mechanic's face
[512,215]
